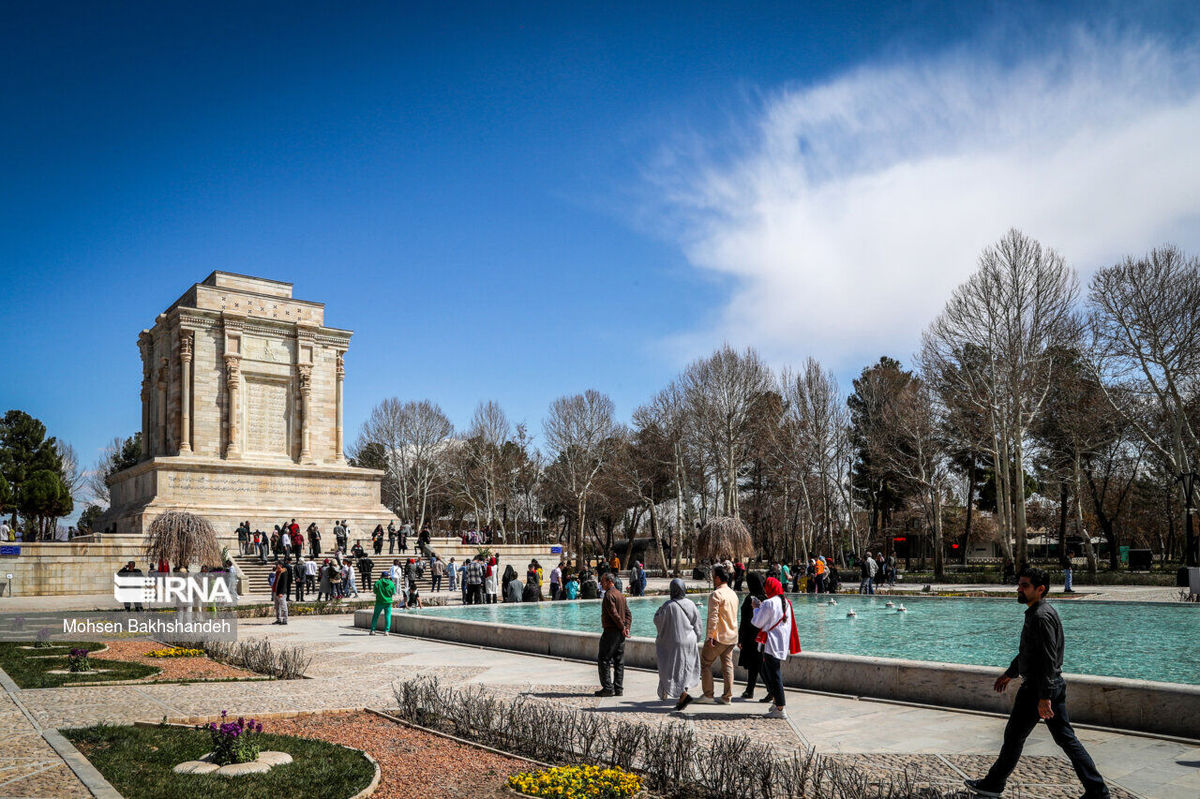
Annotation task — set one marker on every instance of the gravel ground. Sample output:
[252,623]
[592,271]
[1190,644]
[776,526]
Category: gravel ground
[194,668]
[412,762]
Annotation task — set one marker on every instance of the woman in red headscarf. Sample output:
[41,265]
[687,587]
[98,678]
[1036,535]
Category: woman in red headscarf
[777,638]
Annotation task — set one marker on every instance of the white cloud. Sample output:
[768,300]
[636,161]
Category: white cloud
[855,207]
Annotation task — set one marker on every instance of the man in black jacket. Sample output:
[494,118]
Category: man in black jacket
[1042,695]
[299,573]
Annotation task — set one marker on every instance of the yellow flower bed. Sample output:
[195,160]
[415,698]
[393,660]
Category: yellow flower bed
[176,652]
[577,782]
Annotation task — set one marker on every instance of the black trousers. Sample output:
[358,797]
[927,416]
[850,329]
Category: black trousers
[611,660]
[752,672]
[475,594]
[773,678]
[1021,721]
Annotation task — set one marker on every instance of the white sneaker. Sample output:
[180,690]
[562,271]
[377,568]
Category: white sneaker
[385,632]
[371,633]
[704,700]
[776,713]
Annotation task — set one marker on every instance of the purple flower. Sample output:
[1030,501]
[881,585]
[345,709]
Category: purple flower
[259,727]
[241,721]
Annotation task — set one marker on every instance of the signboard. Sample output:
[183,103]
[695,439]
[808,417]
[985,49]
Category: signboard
[10,549]
[555,550]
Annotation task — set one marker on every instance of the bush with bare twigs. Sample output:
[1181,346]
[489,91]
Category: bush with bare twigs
[673,761]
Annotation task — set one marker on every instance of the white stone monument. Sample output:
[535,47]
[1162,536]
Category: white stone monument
[242,416]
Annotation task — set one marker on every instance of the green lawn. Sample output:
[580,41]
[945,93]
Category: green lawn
[138,762]
[28,669]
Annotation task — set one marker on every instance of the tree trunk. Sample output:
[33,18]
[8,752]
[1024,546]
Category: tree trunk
[1022,553]
[966,539]
[1088,551]
[939,564]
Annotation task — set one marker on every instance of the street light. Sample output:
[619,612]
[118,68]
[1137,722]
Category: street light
[1189,484]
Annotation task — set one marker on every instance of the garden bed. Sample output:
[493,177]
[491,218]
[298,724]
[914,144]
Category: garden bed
[122,661]
[413,763]
[176,669]
[29,668]
[138,761]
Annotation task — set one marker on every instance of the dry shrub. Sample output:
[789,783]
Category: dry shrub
[262,657]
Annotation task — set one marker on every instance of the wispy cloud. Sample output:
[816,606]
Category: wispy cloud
[851,209]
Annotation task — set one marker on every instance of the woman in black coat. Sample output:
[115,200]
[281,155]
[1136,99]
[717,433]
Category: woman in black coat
[750,658]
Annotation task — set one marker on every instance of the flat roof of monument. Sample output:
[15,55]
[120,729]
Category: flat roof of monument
[216,272]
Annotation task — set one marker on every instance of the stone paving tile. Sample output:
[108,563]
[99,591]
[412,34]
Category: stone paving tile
[55,782]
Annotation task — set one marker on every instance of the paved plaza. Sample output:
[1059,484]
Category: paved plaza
[353,670]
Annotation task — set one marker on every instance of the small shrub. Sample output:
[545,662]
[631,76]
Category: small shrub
[43,638]
[234,741]
[78,660]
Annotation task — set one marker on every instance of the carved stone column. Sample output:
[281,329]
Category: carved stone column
[161,445]
[339,455]
[185,392]
[147,391]
[233,373]
[305,372]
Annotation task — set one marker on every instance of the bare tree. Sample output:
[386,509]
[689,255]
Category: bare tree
[580,431]
[97,476]
[667,412]
[721,392]
[916,452]
[1145,326]
[414,438]
[491,432]
[998,338]
[811,434]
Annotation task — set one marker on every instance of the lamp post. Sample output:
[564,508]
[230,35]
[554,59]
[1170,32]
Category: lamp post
[1189,483]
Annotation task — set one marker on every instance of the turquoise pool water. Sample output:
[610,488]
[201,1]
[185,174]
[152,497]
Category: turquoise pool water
[1115,639]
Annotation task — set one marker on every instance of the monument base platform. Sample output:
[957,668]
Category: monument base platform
[228,493]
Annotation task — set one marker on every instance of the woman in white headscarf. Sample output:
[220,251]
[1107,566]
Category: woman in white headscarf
[680,630]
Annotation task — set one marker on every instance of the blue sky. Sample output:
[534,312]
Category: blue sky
[517,201]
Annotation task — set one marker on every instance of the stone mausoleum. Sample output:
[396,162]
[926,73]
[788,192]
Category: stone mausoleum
[242,415]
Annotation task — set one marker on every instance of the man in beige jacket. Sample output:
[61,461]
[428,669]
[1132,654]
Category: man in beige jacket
[720,639]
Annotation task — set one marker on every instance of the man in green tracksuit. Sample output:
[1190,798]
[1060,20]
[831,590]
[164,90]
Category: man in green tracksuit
[385,591]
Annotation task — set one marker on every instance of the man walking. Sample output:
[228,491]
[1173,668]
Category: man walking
[1042,695]
[721,637]
[279,592]
[391,535]
[615,620]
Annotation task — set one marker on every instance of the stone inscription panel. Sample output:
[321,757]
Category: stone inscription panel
[225,489]
[267,349]
[267,414]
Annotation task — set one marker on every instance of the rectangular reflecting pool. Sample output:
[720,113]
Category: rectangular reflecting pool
[1141,641]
